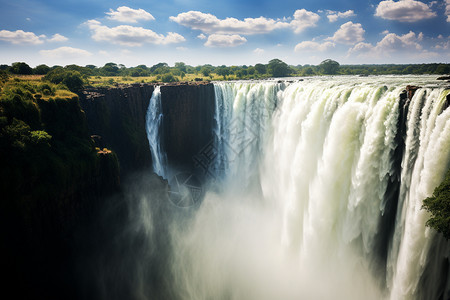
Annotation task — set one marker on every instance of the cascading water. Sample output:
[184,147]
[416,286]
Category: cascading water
[306,167]
[154,119]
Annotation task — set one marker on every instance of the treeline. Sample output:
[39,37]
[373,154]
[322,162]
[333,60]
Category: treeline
[274,68]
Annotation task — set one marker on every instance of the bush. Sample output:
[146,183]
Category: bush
[439,207]
[168,78]
[72,79]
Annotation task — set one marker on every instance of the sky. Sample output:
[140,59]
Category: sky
[233,32]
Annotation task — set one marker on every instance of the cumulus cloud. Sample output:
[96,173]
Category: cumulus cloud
[349,33]
[127,35]
[225,40]
[314,46]
[129,15]
[21,37]
[304,19]
[447,9]
[210,24]
[390,44]
[58,38]
[333,16]
[404,11]
[65,52]
[201,36]
[258,51]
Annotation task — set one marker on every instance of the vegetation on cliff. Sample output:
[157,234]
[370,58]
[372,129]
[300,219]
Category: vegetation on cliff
[49,162]
[439,207]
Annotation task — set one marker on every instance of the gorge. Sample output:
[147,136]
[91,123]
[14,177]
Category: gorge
[304,189]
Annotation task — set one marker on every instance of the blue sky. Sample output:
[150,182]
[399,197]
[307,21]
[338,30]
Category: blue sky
[234,32]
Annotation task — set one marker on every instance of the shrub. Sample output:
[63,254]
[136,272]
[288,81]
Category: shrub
[72,79]
[439,207]
[168,78]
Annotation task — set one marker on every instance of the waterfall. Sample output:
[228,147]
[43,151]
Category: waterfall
[154,119]
[306,168]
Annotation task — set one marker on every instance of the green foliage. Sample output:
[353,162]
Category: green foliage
[168,78]
[21,68]
[439,207]
[278,68]
[72,79]
[206,70]
[329,67]
[4,77]
[46,153]
[41,70]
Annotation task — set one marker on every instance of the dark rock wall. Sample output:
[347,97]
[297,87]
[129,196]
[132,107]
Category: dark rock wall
[117,117]
[188,122]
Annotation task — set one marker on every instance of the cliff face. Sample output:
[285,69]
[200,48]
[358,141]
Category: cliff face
[188,122]
[52,180]
[116,117]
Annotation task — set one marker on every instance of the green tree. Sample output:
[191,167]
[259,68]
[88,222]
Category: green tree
[206,70]
[329,67]
[109,69]
[41,69]
[223,71]
[278,68]
[180,66]
[439,207]
[160,68]
[261,69]
[21,68]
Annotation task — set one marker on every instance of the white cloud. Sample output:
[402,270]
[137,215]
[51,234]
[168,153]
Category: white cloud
[127,35]
[201,36]
[258,51]
[349,33]
[225,40]
[447,9]
[385,32]
[58,38]
[304,19]
[129,15]
[391,44]
[210,24]
[404,11]
[443,43]
[314,46]
[21,37]
[333,16]
[65,52]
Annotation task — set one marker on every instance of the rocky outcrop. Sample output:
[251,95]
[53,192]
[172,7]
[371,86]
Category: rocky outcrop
[116,119]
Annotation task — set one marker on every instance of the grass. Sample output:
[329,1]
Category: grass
[107,81]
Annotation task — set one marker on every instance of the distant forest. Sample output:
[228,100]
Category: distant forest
[183,72]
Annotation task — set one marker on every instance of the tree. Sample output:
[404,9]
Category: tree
[160,68]
[278,68]
[223,71]
[109,69]
[206,70]
[21,68]
[41,70]
[329,67]
[181,66]
[439,207]
[261,69]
